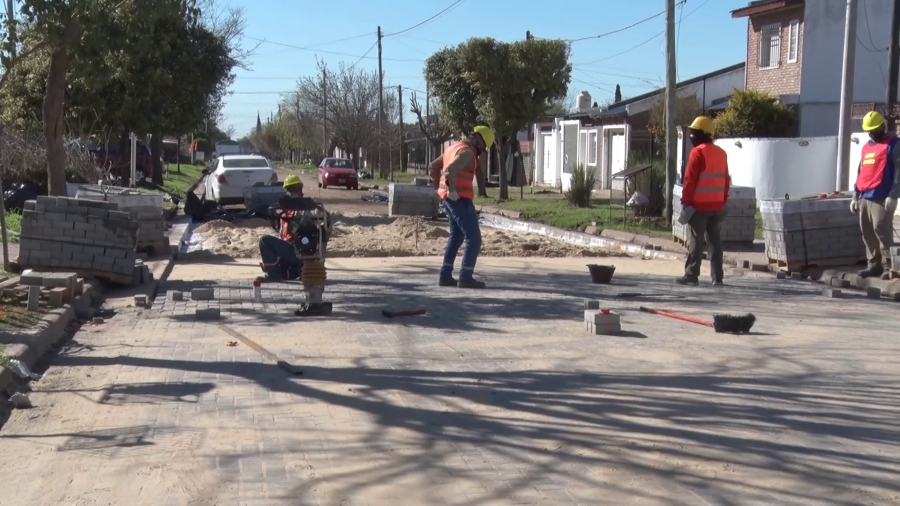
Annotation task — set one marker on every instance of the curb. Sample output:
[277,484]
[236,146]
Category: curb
[52,328]
[574,238]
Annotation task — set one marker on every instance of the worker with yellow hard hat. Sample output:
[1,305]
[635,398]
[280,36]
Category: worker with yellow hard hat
[278,255]
[703,198]
[875,194]
[453,174]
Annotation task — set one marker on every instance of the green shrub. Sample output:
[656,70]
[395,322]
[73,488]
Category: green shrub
[583,183]
[756,114]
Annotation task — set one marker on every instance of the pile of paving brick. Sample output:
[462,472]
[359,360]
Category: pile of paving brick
[811,232]
[146,209]
[412,200]
[738,228]
[57,288]
[87,236]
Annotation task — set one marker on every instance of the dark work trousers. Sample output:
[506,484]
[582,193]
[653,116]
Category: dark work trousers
[705,227]
[279,258]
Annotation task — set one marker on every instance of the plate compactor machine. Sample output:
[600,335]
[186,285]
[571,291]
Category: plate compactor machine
[310,226]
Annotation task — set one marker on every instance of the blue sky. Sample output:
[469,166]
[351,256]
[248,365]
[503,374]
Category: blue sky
[708,39]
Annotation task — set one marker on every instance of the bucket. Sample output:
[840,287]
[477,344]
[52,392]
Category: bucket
[601,274]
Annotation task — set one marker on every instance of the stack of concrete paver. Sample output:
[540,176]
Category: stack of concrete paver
[738,228]
[820,231]
[78,234]
[412,200]
[146,209]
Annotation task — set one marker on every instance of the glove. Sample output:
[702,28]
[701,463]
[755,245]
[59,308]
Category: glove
[453,196]
[890,204]
[854,206]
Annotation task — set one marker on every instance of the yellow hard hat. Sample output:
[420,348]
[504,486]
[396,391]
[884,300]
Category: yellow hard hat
[291,181]
[872,121]
[703,124]
[486,133]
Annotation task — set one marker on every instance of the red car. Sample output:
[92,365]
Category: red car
[338,172]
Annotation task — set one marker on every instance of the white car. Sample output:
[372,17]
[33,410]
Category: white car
[232,173]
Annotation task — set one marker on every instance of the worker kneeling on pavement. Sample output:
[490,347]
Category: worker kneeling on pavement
[875,195]
[457,169]
[704,195]
[279,258]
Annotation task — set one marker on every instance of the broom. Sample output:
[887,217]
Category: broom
[721,323]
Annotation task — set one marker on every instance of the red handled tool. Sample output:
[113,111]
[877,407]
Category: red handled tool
[721,323]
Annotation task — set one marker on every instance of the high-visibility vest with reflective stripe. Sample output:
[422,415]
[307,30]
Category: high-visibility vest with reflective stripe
[874,160]
[712,182]
[463,178]
[285,225]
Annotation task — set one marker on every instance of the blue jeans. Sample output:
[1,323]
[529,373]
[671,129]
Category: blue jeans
[280,258]
[463,226]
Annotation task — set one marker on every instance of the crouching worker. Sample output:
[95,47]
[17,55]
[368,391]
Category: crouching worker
[279,258]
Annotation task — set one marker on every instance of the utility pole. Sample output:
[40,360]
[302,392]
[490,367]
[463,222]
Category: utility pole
[528,35]
[380,99]
[428,154]
[842,179]
[400,107]
[324,113]
[671,97]
[893,68]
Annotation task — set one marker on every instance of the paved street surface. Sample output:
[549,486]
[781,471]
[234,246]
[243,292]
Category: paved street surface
[493,397]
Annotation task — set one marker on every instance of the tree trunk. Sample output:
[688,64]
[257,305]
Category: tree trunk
[481,175]
[53,120]
[502,151]
[155,154]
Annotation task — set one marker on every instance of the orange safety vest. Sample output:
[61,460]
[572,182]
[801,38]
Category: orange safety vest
[712,183]
[285,225]
[875,160]
[464,177]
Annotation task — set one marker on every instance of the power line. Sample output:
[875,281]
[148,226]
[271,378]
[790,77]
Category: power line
[632,48]
[332,52]
[365,54]
[454,4]
[618,30]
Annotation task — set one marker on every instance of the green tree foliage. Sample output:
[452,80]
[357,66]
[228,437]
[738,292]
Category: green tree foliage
[505,85]
[756,114]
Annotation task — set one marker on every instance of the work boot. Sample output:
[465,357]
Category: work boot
[718,283]
[470,283]
[886,275]
[688,281]
[269,279]
[871,272]
[447,282]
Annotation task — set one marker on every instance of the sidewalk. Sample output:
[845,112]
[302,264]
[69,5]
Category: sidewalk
[493,397]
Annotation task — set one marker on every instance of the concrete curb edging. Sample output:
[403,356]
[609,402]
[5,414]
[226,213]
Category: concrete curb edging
[52,328]
[574,238]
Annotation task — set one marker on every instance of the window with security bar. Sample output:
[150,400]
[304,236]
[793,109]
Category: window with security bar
[770,46]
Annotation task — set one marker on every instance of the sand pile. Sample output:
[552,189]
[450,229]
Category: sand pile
[360,235]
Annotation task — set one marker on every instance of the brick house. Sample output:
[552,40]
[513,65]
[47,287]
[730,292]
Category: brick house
[795,53]
[774,42]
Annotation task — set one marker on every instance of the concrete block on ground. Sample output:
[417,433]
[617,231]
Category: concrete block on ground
[202,294]
[781,275]
[745,264]
[209,313]
[832,293]
[873,292]
[796,275]
[60,279]
[140,300]
[598,323]
[59,296]
[32,279]
[175,295]
[591,304]
[759,267]
[34,297]
[78,288]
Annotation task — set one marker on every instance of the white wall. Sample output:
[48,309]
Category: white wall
[717,88]
[822,61]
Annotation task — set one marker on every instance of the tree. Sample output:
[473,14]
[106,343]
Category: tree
[686,109]
[618,94]
[435,127]
[756,114]
[505,85]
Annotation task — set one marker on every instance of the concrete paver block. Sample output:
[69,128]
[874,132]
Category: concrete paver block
[209,313]
[34,297]
[175,295]
[59,296]
[745,264]
[78,287]
[873,292]
[32,279]
[598,323]
[591,304]
[840,283]
[140,300]
[759,267]
[63,279]
[781,275]
[796,275]
[202,294]
[832,293]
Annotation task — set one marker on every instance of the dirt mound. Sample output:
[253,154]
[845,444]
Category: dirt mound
[380,236]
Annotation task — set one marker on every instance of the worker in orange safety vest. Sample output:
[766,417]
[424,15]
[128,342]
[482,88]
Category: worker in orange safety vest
[703,198]
[278,255]
[457,168]
[875,195]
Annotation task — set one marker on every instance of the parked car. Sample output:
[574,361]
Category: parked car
[232,173]
[338,172]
